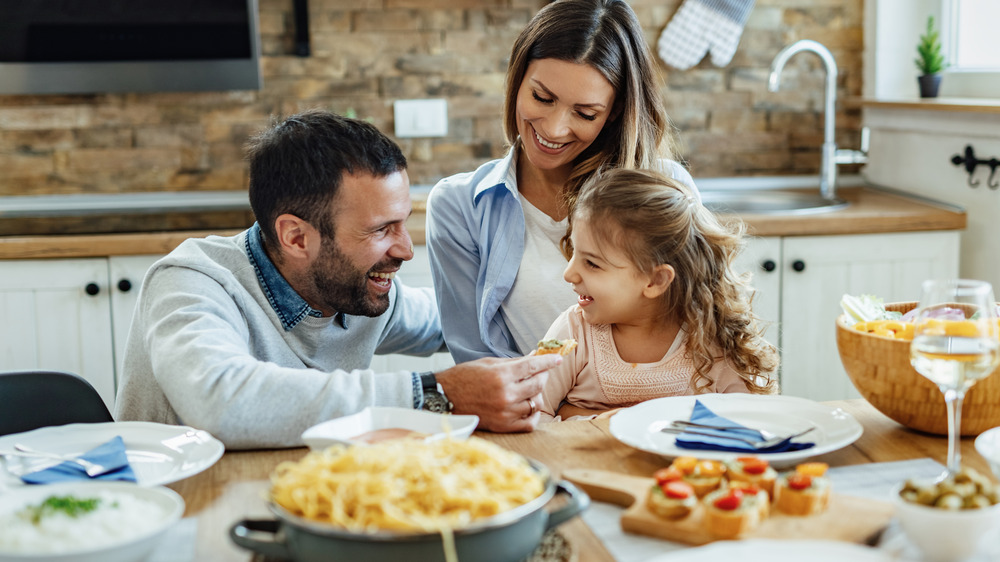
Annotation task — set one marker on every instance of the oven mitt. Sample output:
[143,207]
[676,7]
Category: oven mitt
[700,26]
[110,455]
[701,414]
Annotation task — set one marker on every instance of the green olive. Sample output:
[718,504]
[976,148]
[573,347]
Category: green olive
[967,489]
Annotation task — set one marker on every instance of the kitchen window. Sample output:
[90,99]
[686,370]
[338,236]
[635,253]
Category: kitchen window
[971,35]
[972,48]
[968,32]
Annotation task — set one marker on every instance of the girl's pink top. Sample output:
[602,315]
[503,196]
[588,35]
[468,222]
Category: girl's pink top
[594,376]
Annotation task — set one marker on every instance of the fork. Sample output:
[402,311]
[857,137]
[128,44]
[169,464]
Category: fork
[91,468]
[767,435]
[765,444]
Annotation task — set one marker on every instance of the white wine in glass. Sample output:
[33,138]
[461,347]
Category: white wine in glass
[956,343]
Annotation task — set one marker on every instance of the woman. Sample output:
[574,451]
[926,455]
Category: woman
[582,94]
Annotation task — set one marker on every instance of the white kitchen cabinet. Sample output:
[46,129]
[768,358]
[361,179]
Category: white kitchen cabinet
[71,315]
[814,272]
[762,258]
[57,316]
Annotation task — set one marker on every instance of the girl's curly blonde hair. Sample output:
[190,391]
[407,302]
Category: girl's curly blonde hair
[657,220]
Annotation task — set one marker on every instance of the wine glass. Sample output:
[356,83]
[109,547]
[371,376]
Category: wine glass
[956,342]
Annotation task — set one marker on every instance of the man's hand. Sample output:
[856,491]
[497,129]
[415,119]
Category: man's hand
[505,393]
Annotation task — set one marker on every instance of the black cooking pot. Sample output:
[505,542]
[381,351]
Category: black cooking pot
[505,537]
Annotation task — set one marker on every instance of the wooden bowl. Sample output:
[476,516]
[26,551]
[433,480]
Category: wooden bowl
[880,369]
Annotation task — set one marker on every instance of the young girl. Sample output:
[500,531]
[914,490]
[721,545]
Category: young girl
[660,311]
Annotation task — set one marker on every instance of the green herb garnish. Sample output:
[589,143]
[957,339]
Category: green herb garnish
[70,505]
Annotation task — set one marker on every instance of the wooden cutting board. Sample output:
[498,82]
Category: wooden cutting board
[847,518]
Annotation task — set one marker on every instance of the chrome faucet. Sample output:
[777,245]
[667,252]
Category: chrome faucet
[828,161]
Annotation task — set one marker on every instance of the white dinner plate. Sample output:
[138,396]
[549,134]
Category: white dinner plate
[765,550]
[639,426]
[158,453]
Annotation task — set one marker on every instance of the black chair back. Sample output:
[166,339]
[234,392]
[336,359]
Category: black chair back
[33,399]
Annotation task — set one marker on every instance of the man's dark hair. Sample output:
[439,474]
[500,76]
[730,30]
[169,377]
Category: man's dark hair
[297,165]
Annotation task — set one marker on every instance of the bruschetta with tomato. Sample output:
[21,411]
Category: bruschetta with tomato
[804,491]
[753,470]
[731,512]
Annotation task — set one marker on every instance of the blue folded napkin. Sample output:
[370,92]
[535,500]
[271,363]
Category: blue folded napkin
[701,414]
[110,454]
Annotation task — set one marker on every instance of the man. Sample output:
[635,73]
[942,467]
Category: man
[258,336]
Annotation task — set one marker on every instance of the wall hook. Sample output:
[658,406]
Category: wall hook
[969,162]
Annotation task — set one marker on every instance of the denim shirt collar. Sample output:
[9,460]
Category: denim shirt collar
[287,304]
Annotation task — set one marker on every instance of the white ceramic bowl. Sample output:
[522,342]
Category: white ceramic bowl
[943,535]
[988,445]
[129,548]
[346,429]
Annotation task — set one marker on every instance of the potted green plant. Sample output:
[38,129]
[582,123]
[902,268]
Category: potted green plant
[930,61]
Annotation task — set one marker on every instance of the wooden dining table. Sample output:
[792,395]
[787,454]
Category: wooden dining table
[235,488]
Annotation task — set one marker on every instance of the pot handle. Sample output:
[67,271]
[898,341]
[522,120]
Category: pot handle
[578,501]
[260,535]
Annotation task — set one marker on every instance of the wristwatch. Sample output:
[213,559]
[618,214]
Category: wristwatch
[434,398]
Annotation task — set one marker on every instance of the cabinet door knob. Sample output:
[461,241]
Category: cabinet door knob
[124,285]
[799,265]
[92,289]
[768,265]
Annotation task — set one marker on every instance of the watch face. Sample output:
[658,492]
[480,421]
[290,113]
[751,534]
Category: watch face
[435,402]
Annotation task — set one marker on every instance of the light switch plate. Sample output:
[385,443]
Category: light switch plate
[421,118]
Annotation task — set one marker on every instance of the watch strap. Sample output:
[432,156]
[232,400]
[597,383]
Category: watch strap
[428,381]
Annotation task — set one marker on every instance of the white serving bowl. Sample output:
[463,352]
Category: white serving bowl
[129,548]
[988,445]
[345,429]
[943,535]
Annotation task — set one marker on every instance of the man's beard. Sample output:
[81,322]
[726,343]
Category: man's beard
[344,288]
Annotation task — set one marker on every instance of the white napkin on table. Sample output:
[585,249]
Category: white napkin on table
[700,26]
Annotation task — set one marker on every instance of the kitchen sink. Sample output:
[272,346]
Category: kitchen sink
[769,202]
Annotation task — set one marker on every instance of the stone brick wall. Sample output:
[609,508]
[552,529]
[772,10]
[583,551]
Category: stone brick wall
[368,53]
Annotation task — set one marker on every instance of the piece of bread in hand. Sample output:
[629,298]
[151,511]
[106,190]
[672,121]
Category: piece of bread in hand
[562,347]
[804,491]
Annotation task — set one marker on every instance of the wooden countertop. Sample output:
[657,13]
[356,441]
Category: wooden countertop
[870,211]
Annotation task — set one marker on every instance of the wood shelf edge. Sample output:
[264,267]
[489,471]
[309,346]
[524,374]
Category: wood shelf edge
[965,105]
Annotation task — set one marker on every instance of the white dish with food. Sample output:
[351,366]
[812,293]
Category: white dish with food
[639,426]
[376,423]
[88,521]
[158,453]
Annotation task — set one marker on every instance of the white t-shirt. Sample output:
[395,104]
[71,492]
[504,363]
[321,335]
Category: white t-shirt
[539,293]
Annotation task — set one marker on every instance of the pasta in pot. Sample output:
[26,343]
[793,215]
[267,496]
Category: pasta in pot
[405,485]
